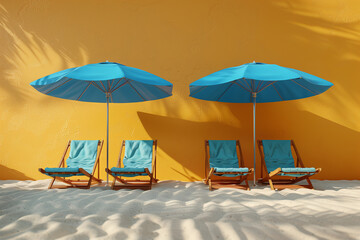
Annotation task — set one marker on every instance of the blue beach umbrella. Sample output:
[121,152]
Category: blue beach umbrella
[257,82]
[105,82]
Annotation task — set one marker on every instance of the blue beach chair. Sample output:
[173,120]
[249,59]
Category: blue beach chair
[221,159]
[139,160]
[82,161]
[279,165]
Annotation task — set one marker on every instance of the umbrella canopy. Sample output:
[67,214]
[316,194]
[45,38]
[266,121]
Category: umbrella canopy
[270,82]
[257,82]
[105,82]
[94,82]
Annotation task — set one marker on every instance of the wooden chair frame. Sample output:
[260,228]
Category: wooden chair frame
[134,183]
[76,183]
[229,183]
[272,178]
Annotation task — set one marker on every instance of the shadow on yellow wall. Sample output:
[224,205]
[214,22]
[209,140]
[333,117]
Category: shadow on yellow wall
[184,142]
[180,41]
[321,142]
[8,174]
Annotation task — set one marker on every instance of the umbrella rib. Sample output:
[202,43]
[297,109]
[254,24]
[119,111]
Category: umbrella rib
[59,86]
[84,91]
[242,87]
[112,83]
[304,87]
[246,83]
[112,100]
[93,83]
[136,90]
[104,87]
[266,86]
[161,89]
[257,89]
[225,91]
[277,92]
[119,86]
[119,80]
[202,88]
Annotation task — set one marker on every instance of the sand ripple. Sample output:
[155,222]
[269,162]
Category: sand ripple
[179,210]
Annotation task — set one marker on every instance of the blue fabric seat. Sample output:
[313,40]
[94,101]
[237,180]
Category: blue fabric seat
[120,170]
[277,154]
[136,171]
[300,172]
[239,170]
[224,162]
[138,156]
[82,154]
[50,172]
[223,158]
[139,160]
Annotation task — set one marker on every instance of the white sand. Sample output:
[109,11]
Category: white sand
[179,210]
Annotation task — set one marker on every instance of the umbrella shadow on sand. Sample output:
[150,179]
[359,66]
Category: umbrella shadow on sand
[184,140]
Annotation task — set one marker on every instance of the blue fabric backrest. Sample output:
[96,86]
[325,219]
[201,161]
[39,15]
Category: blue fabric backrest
[223,154]
[138,154]
[277,153]
[82,154]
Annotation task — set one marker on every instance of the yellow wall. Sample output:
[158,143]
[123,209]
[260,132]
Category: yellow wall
[180,41]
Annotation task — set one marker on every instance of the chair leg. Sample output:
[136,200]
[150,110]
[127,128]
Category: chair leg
[247,185]
[309,182]
[240,179]
[271,184]
[151,181]
[209,175]
[89,183]
[113,183]
[51,183]
[210,185]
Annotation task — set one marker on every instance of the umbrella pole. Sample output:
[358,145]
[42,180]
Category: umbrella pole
[254,133]
[107,138]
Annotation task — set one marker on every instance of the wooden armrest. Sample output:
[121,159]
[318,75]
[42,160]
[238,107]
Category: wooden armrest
[84,172]
[273,173]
